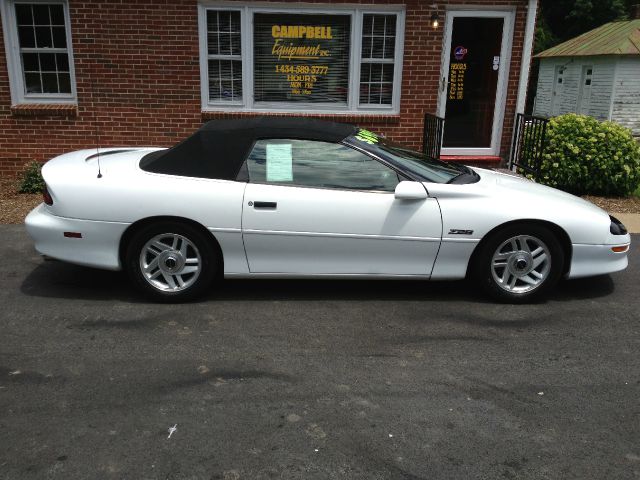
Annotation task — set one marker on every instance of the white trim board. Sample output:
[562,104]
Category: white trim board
[527,50]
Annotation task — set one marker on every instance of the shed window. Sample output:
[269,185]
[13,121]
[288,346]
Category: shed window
[588,75]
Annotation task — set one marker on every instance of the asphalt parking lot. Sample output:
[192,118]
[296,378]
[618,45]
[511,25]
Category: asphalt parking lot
[314,380]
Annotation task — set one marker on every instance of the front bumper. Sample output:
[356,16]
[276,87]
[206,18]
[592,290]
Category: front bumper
[98,247]
[590,260]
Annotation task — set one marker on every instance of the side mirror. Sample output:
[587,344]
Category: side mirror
[410,191]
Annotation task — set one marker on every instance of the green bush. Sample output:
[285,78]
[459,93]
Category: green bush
[584,156]
[32,181]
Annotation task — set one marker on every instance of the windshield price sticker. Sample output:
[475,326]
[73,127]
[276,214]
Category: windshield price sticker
[367,137]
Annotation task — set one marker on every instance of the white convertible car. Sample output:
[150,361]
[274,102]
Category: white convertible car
[272,197]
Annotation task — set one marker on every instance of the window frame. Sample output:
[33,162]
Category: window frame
[376,61]
[19,96]
[246,21]
[244,175]
[205,57]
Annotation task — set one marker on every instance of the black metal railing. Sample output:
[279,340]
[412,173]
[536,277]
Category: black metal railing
[528,145]
[432,135]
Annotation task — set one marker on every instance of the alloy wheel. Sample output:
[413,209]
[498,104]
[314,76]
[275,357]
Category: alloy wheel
[170,262]
[521,264]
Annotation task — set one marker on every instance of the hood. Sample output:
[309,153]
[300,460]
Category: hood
[500,198]
[519,187]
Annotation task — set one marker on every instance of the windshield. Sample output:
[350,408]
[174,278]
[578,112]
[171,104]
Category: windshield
[425,167]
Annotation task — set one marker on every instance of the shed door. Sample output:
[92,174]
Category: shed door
[584,102]
[558,91]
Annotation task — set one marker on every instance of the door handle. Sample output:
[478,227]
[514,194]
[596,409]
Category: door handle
[265,204]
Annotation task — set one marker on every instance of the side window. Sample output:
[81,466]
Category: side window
[317,164]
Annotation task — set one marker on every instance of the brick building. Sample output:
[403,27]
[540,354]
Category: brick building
[80,73]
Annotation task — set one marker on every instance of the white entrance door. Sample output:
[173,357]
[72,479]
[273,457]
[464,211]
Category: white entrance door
[475,70]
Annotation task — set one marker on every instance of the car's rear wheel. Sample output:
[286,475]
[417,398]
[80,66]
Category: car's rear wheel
[171,261]
[519,264]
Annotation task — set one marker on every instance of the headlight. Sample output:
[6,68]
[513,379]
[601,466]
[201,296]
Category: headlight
[617,228]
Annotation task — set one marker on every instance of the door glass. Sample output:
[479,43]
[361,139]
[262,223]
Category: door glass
[317,164]
[473,80]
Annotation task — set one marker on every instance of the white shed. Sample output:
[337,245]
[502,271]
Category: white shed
[596,74]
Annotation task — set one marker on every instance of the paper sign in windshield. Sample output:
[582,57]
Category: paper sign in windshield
[279,163]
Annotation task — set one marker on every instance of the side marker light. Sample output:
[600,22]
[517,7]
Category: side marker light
[621,249]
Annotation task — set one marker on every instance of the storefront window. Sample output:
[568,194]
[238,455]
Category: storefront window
[301,58]
[341,60]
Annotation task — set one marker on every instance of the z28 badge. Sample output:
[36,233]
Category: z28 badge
[455,231]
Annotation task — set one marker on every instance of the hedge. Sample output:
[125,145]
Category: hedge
[585,156]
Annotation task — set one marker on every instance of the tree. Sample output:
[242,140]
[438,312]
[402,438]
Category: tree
[544,36]
[561,20]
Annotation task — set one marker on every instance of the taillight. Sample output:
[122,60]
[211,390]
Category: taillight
[46,196]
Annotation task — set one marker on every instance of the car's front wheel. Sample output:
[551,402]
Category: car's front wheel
[520,263]
[171,261]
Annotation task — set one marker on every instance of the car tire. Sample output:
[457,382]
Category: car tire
[171,261]
[519,263]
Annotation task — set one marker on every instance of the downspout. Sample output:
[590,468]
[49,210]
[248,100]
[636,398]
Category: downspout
[525,65]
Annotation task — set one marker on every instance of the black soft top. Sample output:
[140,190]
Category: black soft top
[219,147]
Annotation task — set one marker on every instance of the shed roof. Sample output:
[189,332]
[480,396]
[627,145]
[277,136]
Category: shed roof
[614,38]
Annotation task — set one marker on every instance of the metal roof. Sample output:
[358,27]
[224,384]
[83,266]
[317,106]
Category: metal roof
[615,38]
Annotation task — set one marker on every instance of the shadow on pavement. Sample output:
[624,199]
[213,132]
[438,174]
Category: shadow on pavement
[53,279]
[584,288]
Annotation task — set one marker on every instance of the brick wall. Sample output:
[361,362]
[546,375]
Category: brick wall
[138,81]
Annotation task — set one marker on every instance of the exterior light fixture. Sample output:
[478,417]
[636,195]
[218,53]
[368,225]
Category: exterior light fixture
[435,20]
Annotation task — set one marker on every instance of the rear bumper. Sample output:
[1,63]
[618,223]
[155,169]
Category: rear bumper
[98,247]
[590,260]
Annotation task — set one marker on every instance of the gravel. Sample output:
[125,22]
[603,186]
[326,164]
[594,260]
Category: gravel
[14,206]
[616,205]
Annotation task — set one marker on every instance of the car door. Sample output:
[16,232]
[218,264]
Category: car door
[318,208]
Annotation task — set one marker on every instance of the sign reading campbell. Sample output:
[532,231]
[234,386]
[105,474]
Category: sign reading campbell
[301,58]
